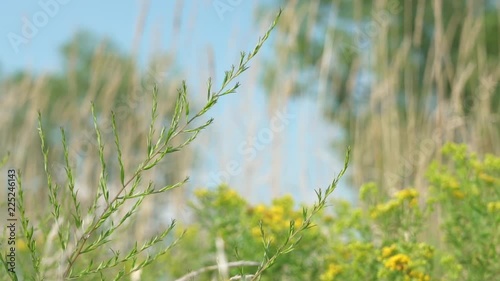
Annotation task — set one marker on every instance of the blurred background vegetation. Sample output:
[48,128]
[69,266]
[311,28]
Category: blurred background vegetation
[401,77]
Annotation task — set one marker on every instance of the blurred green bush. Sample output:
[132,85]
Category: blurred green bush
[451,231]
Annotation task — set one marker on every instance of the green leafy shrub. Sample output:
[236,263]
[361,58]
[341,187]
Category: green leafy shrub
[466,192]
[448,232]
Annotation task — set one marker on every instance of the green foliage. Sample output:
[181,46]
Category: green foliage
[467,192]
[448,234]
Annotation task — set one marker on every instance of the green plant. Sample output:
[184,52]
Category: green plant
[466,190]
[74,243]
[271,254]
[389,236]
[223,214]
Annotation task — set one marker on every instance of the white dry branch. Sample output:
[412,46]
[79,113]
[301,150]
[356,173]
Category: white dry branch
[215,267]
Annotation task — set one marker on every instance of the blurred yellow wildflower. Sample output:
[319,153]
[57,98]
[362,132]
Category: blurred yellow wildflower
[458,151]
[381,209]
[458,194]
[487,178]
[492,162]
[228,197]
[201,192]
[298,222]
[286,202]
[493,206]
[276,214]
[397,262]
[21,245]
[256,232]
[410,194]
[260,209]
[451,183]
[388,251]
[420,276]
[428,251]
[332,271]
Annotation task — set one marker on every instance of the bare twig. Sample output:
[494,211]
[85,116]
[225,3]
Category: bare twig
[215,267]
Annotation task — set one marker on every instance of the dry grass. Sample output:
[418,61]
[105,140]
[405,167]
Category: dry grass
[393,145]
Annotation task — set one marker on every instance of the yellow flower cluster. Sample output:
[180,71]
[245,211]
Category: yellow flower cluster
[256,232]
[493,206]
[381,209]
[276,217]
[201,192]
[458,194]
[21,245]
[227,198]
[492,162]
[222,196]
[388,251]
[487,178]
[272,216]
[450,184]
[458,151]
[409,195]
[427,251]
[419,276]
[332,272]
[398,262]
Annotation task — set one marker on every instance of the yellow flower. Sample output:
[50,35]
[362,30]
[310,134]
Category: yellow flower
[201,192]
[275,214]
[458,194]
[492,162]
[410,194]
[286,202]
[384,208]
[332,271]
[487,178]
[21,245]
[452,183]
[328,219]
[397,262]
[493,206]
[388,251]
[420,276]
[260,209]
[229,195]
[277,211]
[256,232]
[428,251]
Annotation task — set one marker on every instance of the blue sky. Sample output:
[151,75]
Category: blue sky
[118,21]
[307,160]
